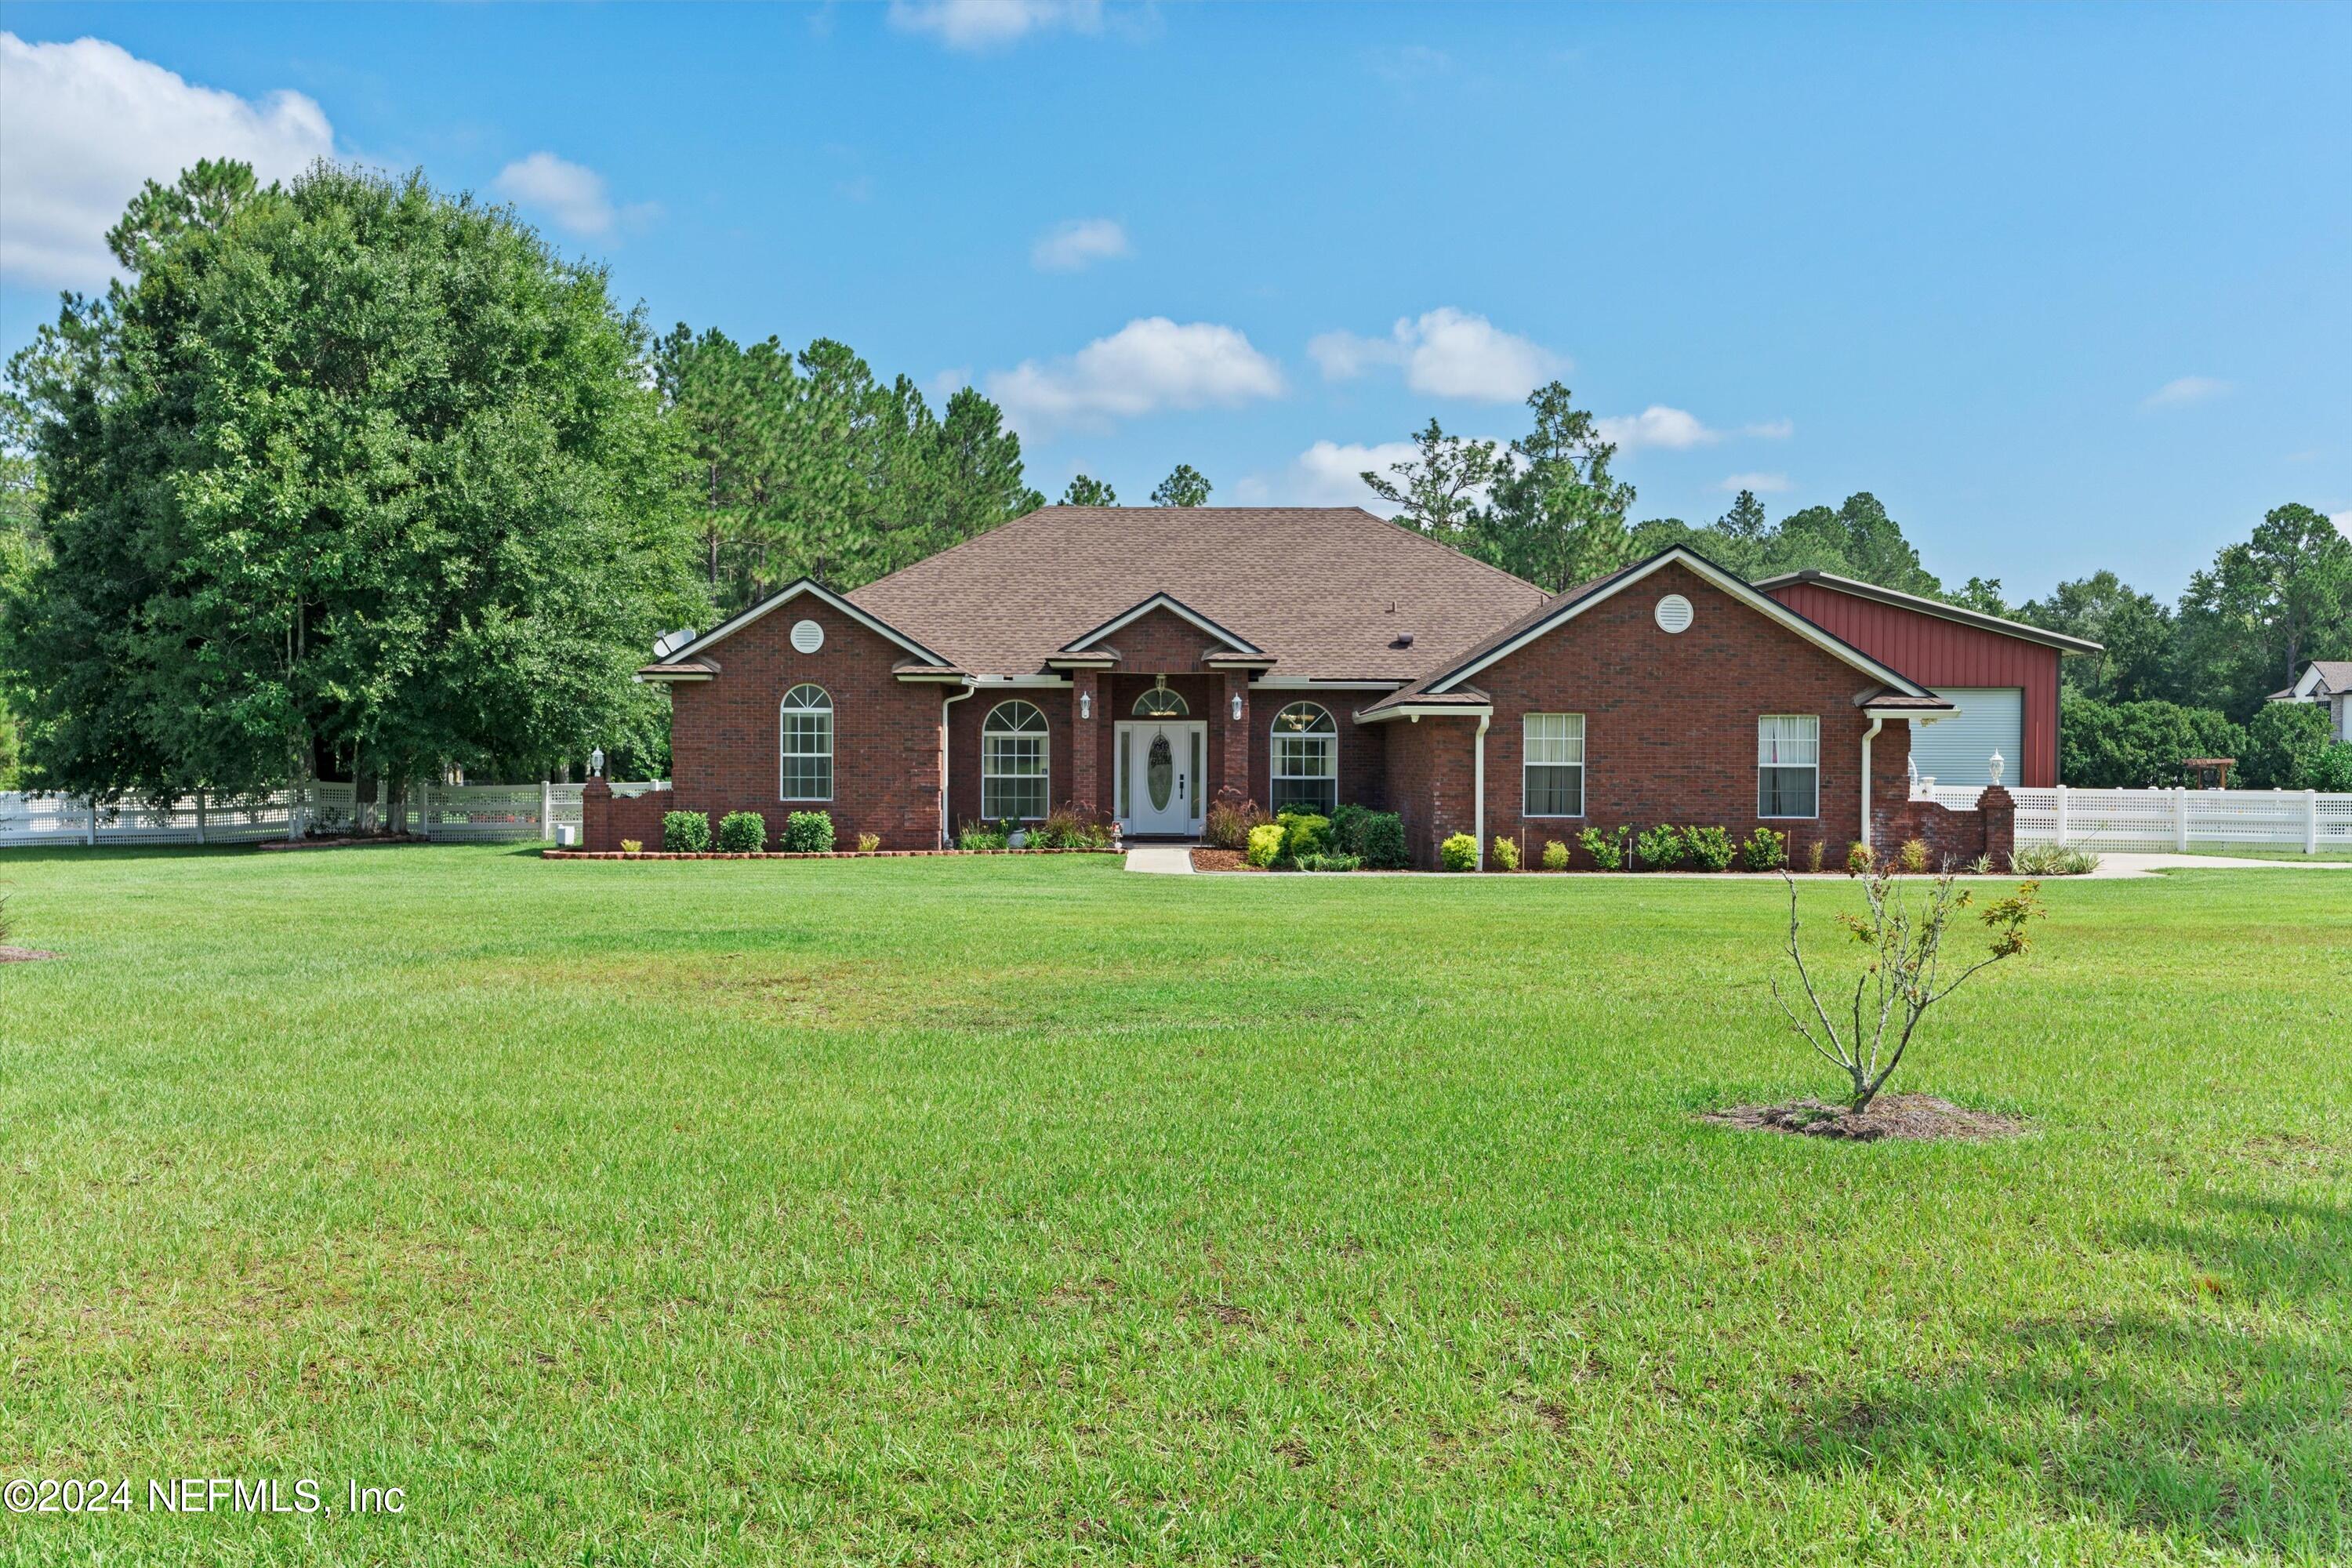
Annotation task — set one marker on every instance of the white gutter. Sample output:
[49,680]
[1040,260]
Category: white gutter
[1478,786]
[1877,722]
[947,827]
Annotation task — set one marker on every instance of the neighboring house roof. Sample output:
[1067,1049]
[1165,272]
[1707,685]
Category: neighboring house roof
[1936,607]
[1329,593]
[1556,612]
[680,663]
[2319,679]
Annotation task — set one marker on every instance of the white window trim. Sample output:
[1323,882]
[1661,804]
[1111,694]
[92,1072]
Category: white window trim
[782,731]
[1045,739]
[1579,765]
[1812,815]
[1277,733]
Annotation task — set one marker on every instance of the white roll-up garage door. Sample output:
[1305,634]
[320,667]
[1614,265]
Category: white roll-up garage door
[1955,750]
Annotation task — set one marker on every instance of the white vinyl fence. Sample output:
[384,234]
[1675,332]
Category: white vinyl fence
[457,812]
[2157,820]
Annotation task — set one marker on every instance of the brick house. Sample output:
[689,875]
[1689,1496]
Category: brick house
[1142,663]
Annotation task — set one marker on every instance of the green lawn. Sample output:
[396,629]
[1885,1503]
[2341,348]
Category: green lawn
[1013,1211]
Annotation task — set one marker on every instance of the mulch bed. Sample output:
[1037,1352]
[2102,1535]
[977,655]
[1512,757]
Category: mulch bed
[1919,1117]
[801,855]
[1221,860]
[360,841]
[23,956]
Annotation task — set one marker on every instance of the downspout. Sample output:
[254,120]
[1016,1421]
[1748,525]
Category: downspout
[947,828]
[1877,722]
[1478,784]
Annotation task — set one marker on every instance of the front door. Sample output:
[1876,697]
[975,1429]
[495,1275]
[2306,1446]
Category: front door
[1160,764]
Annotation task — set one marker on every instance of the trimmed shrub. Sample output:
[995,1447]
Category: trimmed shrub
[1859,860]
[1555,855]
[1607,849]
[742,832]
[1661,848]
[979,835]
[1913,856]
[1229,825]
[2331,771]
[1347,828]
[686,832]
[1385,847]
[1329,862]
[1765,850]
[1813,853]
[1505,854]
[868,843]
[1710,848]
[1459,853]
[1264,845]
[1304,832]
[808,832]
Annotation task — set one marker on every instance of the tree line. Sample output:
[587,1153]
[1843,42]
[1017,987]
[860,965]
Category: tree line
[353,475]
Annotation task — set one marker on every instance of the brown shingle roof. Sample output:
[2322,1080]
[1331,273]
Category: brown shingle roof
[1313,586]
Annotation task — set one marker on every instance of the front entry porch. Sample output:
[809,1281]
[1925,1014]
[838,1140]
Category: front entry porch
[1160,766]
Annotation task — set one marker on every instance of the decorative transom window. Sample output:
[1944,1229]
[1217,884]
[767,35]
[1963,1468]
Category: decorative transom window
[1789,765]
[806,745]
[1160,703]
[1014,768]
[1554,764]
[1306,761]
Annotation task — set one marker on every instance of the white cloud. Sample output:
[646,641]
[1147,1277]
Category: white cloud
[1445,352]
[573,195]
[83,124]
[1675,429]
[2186,390]
[1079,243]
[978,25]
[2343,522]
[1150,364]
[1763,484]
[1328,473]
[1771,429]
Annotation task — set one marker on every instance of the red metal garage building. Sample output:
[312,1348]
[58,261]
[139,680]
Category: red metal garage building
[2002,674]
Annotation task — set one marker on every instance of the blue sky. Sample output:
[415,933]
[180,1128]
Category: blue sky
[2065,287]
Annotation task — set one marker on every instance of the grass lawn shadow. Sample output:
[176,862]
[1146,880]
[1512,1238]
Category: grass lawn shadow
[2214,1423]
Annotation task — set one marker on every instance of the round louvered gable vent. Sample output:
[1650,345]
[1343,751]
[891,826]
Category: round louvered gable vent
[807,637]
[1674,614]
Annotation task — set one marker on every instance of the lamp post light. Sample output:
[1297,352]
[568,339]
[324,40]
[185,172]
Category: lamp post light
[1994,764]
[596,762]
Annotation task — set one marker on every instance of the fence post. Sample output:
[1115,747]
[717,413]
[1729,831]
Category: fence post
[547,808]
[2311,822]
[424,811]
[2180,819]
[2062,814]
[89,834]
[199,816]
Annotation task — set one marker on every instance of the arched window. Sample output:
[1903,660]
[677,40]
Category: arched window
[1160,703]
[804,745]
[1014,768]
[1306,758]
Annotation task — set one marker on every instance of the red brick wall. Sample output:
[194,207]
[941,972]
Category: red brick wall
[724,732]
[608,818]
[1160,642]
[1670,721]
[1428,768]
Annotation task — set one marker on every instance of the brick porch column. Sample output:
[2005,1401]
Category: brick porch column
[1233,786]
[1086,752]
[1997,809]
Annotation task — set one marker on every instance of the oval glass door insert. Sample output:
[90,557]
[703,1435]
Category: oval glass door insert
[1160,773]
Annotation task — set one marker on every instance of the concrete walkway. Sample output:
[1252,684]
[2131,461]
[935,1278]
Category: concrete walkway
[2115,864]
[1173,859]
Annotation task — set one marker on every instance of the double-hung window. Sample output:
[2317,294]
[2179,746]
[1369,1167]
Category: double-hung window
[1553,758]
[804,745]
[1014,770]
[1789,765]
[1305,770]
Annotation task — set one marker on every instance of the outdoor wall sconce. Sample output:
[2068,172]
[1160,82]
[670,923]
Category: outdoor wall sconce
[1085,704]
[1237,707]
